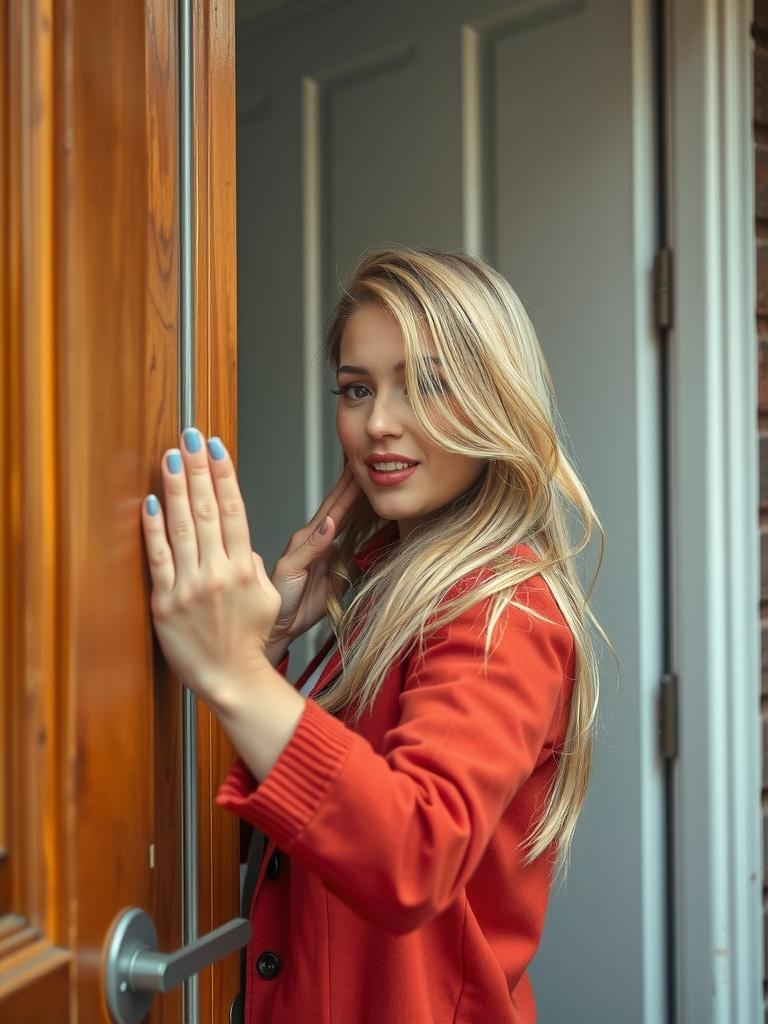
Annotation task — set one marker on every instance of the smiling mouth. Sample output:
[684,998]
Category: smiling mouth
[390,477]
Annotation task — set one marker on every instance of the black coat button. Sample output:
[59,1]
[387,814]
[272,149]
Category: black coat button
[236,1010]
[275,863]
[268,964]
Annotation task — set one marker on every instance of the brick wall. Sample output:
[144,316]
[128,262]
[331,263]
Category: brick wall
[760,38]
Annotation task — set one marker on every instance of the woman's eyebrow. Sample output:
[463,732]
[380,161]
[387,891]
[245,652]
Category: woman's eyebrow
[361,369]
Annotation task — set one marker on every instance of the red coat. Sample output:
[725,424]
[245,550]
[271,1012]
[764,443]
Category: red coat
[397,895]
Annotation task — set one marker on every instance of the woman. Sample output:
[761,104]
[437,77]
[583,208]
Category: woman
[422,779]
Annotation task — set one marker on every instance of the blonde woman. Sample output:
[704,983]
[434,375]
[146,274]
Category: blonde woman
[420,783]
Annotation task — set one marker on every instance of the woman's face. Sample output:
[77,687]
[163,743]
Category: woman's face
[374,418]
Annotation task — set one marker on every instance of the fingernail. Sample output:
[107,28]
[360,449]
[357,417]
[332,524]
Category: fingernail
[174,461]
[192,439]
[153,505]
[323,526]
[216,448]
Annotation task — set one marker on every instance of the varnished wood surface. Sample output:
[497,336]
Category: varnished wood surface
[6,257]
[90,269]
[89,290]
[34,966]
[35,845]
[216,413]
[119,410]
[42,995]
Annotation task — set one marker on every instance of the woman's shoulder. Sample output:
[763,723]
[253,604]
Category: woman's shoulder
[533,592]
[530,622]
[518,554]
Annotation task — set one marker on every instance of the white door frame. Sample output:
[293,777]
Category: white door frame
[715,570]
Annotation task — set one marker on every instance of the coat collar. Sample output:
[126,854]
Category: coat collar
[364,559]
[369,552]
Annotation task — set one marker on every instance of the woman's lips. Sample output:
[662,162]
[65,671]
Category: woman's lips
[389,479]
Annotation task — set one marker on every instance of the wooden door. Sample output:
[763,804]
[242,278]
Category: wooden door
[90,733]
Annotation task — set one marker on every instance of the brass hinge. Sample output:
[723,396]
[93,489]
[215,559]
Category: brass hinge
[662,289]
[668,716]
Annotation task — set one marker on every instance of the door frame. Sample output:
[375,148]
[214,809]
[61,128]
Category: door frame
[714,556]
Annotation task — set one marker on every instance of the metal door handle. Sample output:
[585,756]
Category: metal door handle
[135,970]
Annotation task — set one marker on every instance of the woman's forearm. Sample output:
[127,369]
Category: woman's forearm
[259,715]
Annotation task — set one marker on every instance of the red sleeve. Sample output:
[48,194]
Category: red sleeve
[398,834]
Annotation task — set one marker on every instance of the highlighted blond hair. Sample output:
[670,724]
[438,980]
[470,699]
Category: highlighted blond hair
[499,406]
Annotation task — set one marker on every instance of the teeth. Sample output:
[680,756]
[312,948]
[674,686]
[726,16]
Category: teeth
[383,466]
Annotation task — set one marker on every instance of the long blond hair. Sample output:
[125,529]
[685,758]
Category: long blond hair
[499,406]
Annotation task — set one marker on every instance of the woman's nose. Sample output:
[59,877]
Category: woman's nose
[384,417]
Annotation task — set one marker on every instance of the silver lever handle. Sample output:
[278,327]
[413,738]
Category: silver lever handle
[135,970]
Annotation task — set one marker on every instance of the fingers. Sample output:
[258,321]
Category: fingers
[178,515]
[234,521]
[218,510]
[306,541]
[203,504]
[340,499]
[159,554]
[204,522]
[343,502]
[328,500]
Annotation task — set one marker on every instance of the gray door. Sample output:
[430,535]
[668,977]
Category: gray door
[521,131]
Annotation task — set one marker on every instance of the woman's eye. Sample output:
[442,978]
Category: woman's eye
[427,386]
[345,388]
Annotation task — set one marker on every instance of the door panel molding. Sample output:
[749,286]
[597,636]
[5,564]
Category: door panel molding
[715,559]
[33,849]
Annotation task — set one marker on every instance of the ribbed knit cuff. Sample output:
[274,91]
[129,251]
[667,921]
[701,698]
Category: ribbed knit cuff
[285,801]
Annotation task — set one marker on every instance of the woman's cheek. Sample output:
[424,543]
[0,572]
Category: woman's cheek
[347,441]
[341,432]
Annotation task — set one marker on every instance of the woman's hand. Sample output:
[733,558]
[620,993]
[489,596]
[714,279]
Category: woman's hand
[300,575]
[212,601]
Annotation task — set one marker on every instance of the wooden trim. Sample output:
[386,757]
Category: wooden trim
[34,974]
[6,242]
[30,596]
[36,987]
[215,414]
[15,933]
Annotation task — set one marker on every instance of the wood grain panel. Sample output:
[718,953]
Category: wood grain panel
[6,262]
[88,289]
[33,971]
[36,843]
[216,413]
[119,410]
[89,268]
[41,993]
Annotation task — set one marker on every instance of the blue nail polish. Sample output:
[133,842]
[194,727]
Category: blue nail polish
[192,439]
[216,448]
[174,461]
[153,505]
